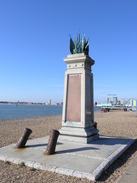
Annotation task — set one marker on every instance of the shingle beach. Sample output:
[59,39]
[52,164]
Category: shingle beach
[113,123]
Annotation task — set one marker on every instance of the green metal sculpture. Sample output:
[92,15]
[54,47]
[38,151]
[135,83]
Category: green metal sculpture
[80,45]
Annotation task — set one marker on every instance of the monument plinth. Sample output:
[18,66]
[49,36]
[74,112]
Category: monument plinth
[78,107]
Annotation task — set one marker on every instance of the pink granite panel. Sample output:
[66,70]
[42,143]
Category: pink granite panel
[92,100]
[89,98]
[74,98]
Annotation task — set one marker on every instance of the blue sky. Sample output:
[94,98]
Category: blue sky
[34,40]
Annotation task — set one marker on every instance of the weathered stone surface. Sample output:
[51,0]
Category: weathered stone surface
[78,110]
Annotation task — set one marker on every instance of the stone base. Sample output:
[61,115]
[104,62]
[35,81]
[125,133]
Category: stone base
[80,135]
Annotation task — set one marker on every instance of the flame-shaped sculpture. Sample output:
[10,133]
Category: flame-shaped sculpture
[80,45]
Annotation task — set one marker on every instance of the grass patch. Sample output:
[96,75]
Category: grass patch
[22,164]
[7,162]
[32,169]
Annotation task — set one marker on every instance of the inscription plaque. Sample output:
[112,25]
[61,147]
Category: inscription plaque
[74,98]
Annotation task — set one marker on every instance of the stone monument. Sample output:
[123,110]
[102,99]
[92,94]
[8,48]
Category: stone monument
[78,104]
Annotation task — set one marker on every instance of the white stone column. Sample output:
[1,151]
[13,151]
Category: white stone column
[78,104]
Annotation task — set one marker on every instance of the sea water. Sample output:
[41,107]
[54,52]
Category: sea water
[11,111]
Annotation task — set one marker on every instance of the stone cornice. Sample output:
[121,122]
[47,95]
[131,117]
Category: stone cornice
[78,58]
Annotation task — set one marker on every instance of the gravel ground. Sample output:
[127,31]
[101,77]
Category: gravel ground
[113,123]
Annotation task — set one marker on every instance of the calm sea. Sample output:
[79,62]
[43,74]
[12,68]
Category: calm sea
[10,111]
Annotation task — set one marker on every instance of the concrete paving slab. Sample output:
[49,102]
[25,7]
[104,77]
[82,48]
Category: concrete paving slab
[75,159]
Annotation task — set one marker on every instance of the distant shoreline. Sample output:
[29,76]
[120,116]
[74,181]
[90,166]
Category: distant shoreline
[31,103]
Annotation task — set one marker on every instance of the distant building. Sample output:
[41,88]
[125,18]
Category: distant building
[55,103]
[131,102]
[112,98]
[50,102]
